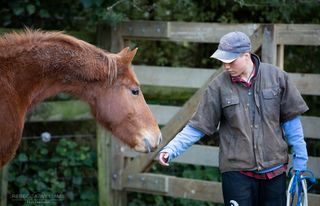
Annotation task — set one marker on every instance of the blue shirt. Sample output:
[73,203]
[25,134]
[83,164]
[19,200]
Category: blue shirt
[292,129]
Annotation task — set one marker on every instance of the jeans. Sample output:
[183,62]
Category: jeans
[241,190]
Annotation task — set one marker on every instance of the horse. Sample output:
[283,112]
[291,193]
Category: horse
[36,65]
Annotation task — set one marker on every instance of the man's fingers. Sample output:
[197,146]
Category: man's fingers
[163,159]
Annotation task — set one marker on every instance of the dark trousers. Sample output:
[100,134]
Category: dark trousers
[239,189]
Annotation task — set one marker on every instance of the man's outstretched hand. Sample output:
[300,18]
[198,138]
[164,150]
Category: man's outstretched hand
[163,158]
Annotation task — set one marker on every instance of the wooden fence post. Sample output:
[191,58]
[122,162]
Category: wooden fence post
[104,165]
[280,56]
[110,157]
[109,38]
[4,185]
[269,45]
[106,175]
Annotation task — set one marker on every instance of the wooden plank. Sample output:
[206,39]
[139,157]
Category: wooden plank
[313,199]
[298,34]
[182,31]
[163,113]
[172,77]
[307,84]
[187,188]
[206,32]
[116,167]
[269,45]
[287,34]
[104,162]
[116,40]
[59,111]
[117,156]
[311,126]
[256,39]
[104,36]
[4,185]
[280,56]
[106,167]
[149,182]
[196,189]
[200,155]
[145,29]
[313,165]
[178,187]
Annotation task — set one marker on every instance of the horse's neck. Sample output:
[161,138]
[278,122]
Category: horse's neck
[34,85]
[11,122]
[20,88]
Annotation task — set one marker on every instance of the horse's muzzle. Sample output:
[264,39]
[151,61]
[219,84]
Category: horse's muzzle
[149,147]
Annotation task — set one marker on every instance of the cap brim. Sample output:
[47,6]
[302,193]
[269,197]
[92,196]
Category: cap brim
[224,56]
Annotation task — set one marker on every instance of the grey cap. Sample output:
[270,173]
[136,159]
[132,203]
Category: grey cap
[231,46]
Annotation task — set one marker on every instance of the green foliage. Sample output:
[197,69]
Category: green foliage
[85,14]
[60,172]
[61,15]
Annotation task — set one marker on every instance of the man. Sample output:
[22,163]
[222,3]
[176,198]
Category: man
[257,109]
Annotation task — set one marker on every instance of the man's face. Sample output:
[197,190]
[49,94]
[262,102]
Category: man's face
[238,66]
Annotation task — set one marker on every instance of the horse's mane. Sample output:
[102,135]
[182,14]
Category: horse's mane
[11,45]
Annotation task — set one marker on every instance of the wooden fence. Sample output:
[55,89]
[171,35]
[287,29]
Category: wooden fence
[121,169]
[130,174]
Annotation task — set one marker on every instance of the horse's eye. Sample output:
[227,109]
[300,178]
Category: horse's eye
[135,91]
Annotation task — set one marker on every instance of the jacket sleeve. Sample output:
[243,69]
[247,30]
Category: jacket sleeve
[292,103]
[294,134]
[182,141]
[208,113]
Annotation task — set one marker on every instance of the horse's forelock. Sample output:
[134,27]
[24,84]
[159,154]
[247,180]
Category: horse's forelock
[112,68]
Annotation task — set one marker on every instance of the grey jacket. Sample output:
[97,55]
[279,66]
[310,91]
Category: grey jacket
[249,119]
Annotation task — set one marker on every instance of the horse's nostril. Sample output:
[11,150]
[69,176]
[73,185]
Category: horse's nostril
[147,145]
[159,138]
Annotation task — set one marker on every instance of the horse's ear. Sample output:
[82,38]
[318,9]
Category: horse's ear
[127,54]
[124,51]
[132,53]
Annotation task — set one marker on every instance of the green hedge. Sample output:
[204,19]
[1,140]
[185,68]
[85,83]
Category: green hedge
[60,172]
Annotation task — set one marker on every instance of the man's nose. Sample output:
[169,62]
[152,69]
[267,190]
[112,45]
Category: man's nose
[226,66]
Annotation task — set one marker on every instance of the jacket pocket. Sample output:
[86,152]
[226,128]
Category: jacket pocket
[230,104]
[271,100]
[271,93]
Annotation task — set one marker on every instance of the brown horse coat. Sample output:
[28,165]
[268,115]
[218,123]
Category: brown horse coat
[35,65]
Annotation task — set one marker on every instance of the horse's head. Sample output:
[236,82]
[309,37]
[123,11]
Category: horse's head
[119,106]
